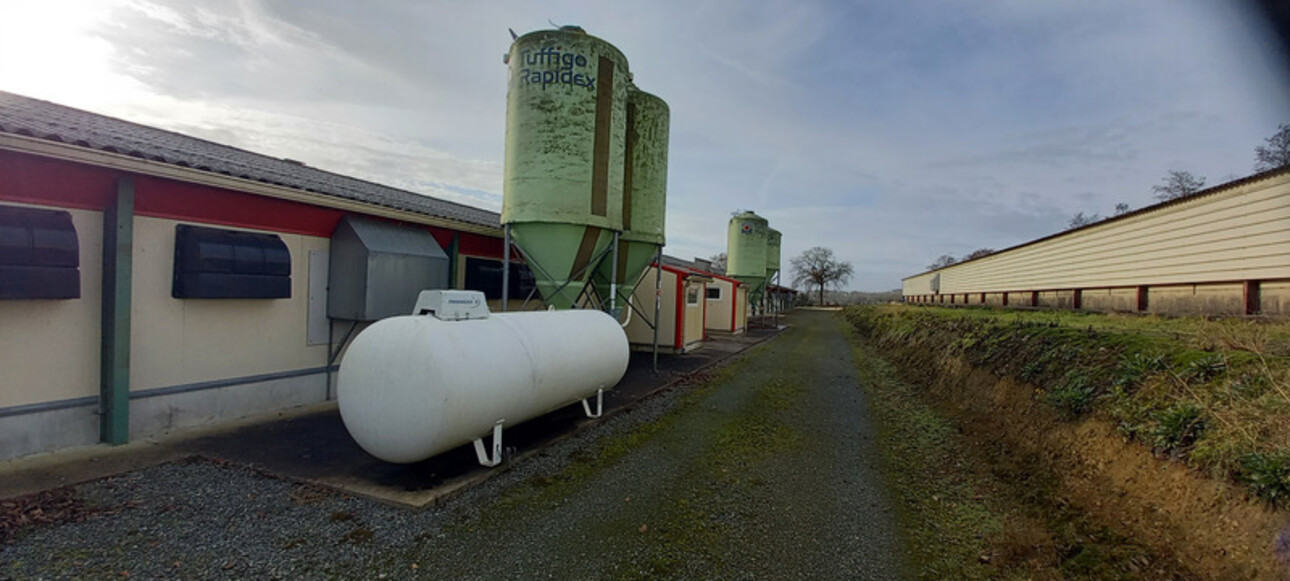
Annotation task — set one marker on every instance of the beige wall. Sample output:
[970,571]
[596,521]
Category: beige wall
[638,330]
[1274,297]
[719,314]
[1191,254]
[1110,299]
[1239,233]
[741,312]
[1213,299]
[51,351]
[181,341]
[694,314]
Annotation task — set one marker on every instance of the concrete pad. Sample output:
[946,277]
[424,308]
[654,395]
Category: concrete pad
[310,444]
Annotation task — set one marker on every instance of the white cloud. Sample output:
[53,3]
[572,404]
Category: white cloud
[890,132]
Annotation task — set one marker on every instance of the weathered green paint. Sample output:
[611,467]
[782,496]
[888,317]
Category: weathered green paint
[566,127]
[644,191]
[551,251]
[773,237]
[647,137]
[633,259]
[550,169]
[746,249]
[114,366]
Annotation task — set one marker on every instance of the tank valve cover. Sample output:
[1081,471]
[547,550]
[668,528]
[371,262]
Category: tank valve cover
[452,305]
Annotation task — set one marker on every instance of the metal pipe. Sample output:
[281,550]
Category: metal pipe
[506,266]
[117,284]
[454,257]
[658,299]
[774,302]
[562,288]
[613,278]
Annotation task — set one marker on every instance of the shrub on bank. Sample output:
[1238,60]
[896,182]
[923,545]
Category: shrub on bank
[1213,393]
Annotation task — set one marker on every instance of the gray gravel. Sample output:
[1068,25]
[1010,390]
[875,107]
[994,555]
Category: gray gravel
[768,474]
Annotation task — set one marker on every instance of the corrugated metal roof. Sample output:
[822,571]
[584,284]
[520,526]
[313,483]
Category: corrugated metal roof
[21,115]
[679,263]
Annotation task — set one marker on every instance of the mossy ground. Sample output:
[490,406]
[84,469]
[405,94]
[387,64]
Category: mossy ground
[763,468]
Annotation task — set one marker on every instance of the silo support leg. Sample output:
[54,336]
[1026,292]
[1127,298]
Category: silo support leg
[481,450]
[600,404]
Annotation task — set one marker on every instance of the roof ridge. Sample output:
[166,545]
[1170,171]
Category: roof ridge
[201,154]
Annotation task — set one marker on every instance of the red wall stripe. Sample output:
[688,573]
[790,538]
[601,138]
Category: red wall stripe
[163,198]
[39,180]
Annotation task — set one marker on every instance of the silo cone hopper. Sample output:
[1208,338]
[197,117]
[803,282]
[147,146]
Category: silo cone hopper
[566,126]
[772,254]
[644,195]
[560,257]
[746,245]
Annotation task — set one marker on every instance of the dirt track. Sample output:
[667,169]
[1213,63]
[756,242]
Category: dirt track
[767,469]
[767,472]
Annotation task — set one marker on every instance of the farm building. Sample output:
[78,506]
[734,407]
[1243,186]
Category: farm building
[682,307]
[779,298]
[151,280]
[1222,251]
[727,305]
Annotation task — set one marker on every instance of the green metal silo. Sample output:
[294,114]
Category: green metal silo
[746,246]
[772,252]
[644,193]
[566,126]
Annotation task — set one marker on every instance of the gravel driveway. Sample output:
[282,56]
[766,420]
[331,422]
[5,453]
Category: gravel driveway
[765,469]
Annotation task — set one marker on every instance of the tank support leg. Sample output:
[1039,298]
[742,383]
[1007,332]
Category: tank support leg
[481,452]
[600,404]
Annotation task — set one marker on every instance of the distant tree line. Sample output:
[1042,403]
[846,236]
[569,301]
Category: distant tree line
[835,297]
[1273,154]
[949,260]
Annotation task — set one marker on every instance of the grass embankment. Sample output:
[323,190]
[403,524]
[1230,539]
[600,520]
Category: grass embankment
[1214,394]
[973,509]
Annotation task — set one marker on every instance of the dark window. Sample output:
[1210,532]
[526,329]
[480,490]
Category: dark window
[484,274]
[714,293]
[39,254]
[211,263]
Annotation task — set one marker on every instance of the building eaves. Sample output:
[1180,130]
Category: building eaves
[48,121]
[1143,210]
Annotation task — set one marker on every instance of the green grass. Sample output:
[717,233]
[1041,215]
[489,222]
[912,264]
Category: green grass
[942,507]
[1212,393]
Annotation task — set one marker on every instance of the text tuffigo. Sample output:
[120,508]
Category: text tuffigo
[563,73]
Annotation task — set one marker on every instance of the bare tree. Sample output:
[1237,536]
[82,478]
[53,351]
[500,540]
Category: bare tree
[1082,220]
[718,263]
[942,262]
[1178,184]
[1121,208]
[978,253]
[1277,151]
[816,267]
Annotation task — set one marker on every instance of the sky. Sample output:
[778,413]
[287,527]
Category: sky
[889,132]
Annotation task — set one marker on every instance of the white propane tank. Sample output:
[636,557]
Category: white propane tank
[414,386]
